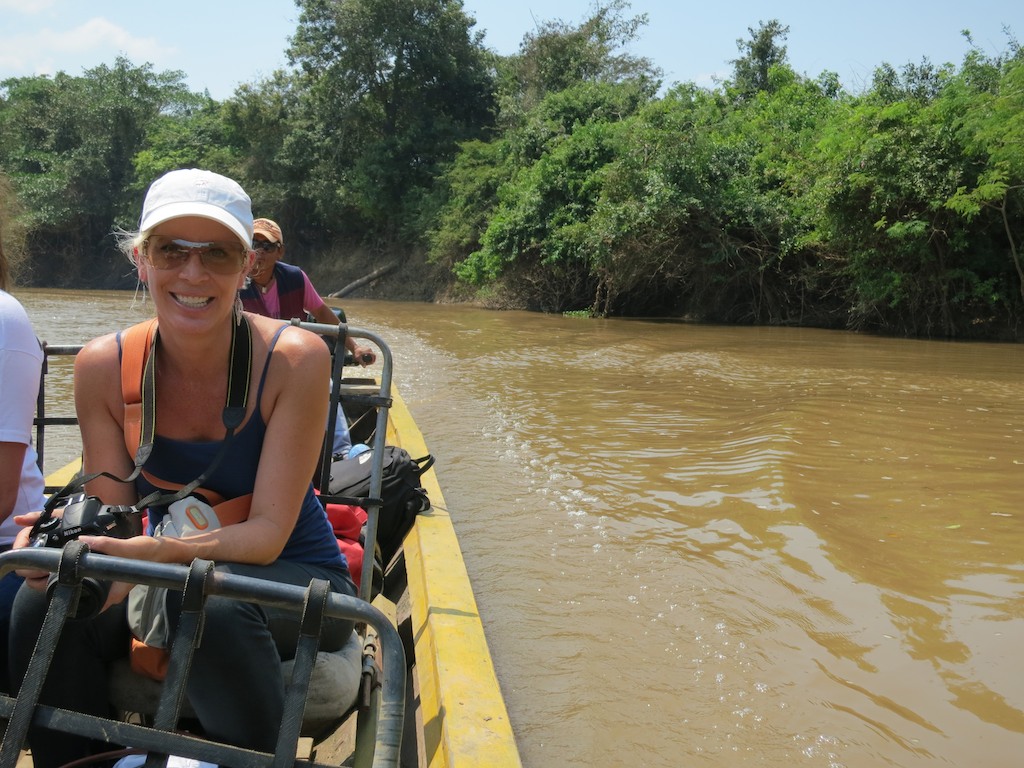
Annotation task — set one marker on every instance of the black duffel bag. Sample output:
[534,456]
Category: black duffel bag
[401,493]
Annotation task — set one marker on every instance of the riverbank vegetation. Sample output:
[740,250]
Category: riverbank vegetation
[566,177]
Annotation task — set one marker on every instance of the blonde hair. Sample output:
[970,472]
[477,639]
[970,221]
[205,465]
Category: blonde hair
[127,243]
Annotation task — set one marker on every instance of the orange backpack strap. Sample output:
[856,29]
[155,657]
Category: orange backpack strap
[234,510]
[212,497]
[229,511]
[138,391]
[135,345]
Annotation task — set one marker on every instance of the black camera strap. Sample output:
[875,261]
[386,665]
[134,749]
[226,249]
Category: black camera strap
[239,376]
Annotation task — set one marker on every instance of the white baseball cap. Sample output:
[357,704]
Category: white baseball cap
[194,192]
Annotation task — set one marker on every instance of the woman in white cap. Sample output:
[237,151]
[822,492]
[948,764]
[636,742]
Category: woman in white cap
[194,251]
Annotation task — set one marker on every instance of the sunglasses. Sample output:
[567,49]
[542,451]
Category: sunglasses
[221,258]
[265,246]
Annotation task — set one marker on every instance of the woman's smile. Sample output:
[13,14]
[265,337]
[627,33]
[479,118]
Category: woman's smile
[191,301]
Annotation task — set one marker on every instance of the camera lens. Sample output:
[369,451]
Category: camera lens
[91,599]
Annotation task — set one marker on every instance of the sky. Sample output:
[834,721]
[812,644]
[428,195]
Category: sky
[220,44]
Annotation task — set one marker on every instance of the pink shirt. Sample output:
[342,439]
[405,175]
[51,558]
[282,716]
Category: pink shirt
[311,300]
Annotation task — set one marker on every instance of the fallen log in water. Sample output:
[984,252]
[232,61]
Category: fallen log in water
[365,280]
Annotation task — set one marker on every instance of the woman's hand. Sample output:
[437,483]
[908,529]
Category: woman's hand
[36,579]
[136,548]
[118,591]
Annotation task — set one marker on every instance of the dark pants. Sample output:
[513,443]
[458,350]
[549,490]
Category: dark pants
[235,686]
[10,583]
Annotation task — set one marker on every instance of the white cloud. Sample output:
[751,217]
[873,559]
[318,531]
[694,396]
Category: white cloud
[97,34]
[97,41]
[27,6]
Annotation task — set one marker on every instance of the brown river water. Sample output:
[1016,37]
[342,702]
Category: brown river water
[711,546]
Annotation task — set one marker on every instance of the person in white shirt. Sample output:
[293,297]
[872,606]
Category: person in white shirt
[21,481]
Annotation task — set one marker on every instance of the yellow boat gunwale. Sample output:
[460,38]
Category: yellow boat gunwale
[465,719]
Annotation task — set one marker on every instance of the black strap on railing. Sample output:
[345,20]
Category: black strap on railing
[62,603]
[186,639]
[302,671]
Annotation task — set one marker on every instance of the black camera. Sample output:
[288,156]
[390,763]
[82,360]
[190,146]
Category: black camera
[86,516]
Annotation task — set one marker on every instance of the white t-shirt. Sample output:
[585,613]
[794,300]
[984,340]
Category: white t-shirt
[21,361]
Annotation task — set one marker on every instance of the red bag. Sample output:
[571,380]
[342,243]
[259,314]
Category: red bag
[347,521]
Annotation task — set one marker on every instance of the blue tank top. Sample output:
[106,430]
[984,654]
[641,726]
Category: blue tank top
[178,461]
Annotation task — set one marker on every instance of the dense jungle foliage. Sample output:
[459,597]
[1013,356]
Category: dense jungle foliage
[563,178]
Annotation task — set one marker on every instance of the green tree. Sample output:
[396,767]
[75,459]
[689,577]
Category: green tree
[472,184]
[703,212]
[560,55]
[762,52]
[915,263]
[652,223]
[992,129]
[69,145]
[192,134]
[517,209]
[271,141]
[389,89]
[12,233]
[536,236]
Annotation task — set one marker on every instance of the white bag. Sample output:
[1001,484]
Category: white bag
[147,606]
